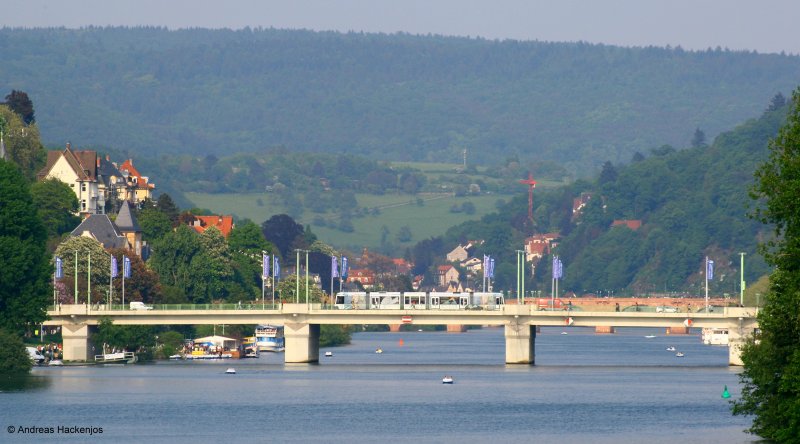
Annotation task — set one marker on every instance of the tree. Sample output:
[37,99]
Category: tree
[173,256]
[771,375]
[404,234]
[56,204]
[608,174]
[698,138]
[282,231]
[143,285]
[166,205]
[777,102]
[22,142]
[100,267]
[155,224]
[19,102]
[24,270]
[14,359]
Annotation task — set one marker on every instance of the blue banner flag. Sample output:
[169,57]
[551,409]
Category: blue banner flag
[560,269]
[486,265]
[264,265]
[491,267]
[59,268]
[126,267]
[343,274]
[114,266]
[709,269]
[555,267]
[334,267]
[276,267]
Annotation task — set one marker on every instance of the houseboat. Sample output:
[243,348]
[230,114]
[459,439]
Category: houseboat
[270,338]
[715,336]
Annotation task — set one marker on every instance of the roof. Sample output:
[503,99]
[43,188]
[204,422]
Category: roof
[222,223]
[106,170]
[141,181]
[444,267]
[102,229]
[83,163]
[126,221]
[633,224]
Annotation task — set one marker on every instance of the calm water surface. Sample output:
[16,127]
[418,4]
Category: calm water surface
[621,388]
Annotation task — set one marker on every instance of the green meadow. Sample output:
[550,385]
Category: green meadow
[397,210]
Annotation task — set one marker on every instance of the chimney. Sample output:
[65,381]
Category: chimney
[98,161]
[68,145]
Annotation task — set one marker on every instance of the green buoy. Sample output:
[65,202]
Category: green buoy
[725,393]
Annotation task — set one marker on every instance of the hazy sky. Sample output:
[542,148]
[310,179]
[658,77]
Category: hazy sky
[764,26]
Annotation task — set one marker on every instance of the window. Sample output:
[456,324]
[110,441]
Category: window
[83,186]
[83,204]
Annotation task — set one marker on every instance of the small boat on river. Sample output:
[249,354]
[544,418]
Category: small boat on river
[447,380]
[379,350]
[230,371]
[679,354]
[671,348]
[650,336]
[328,354]
[116,358]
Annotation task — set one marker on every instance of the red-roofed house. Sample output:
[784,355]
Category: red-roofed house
[78,169]
[633,224]
[222,223]
[138,187]
[401,266]
[363,276]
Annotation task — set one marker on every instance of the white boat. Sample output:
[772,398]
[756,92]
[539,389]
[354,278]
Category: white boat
[670,349]
[328,354]
[564,333]
[177,357]
[650,336]
[679,354]
[715,336]
[116,358]
[447,380]
[270,338]
[230,371]
[379,350]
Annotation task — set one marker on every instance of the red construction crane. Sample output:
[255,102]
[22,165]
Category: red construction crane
[531,185]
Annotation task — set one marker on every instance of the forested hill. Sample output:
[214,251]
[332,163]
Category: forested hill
[396,97]
[692,203]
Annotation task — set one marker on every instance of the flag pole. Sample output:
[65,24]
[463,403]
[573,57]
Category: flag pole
[89,283]
[706,284]
[76,277]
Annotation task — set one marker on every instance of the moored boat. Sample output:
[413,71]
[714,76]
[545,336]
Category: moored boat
[447,380]
[270,338]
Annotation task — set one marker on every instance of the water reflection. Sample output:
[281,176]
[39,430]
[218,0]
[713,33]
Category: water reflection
[21,383]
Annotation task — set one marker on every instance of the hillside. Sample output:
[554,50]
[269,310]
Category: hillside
[398,97]
[692,203]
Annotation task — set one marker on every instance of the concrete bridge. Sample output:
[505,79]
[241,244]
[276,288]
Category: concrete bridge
[302,323]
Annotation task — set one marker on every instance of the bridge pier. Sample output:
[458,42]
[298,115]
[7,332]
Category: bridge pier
[520,343]
[302,343]
[456,328]
[76,342]
[394,328]
[605,329]
[736,341]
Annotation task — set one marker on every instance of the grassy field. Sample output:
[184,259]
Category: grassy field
[431,219]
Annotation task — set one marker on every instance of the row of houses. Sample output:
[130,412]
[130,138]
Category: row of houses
[96,181]
[103,187]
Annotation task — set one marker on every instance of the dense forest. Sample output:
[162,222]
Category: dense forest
[692,203]
[151,91]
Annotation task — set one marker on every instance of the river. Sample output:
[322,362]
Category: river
[620,388]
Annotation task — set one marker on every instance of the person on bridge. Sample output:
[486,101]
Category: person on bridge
[616,306]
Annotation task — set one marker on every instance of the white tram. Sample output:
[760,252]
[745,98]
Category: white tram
[387,300]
